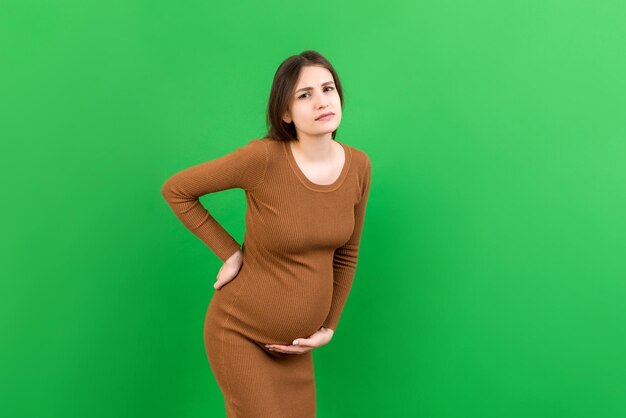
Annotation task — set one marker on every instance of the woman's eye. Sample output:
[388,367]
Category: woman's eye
[328,87]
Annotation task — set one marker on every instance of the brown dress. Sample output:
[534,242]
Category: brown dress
[299,260]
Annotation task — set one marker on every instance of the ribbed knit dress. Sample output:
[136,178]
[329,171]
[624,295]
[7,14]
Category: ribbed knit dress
[300,251]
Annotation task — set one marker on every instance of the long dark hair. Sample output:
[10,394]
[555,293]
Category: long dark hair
[281,94]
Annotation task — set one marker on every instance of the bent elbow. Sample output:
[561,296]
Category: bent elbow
[167,189]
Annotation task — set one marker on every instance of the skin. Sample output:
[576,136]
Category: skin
[319,157]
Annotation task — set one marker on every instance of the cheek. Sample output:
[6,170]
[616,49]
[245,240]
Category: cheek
[298,112]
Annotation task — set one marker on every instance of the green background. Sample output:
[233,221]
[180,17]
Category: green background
[492,266]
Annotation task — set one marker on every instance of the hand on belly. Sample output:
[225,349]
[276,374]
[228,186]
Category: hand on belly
[302,345]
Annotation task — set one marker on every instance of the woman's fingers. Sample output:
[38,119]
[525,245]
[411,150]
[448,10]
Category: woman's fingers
[229,270]
[302,345]
[226,274]
[290,349]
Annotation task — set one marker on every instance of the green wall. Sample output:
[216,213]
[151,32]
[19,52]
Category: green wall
[491,277]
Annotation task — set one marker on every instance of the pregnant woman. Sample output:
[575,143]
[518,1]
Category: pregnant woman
[281,294]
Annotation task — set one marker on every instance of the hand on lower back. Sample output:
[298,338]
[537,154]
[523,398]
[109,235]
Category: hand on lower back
[229,270]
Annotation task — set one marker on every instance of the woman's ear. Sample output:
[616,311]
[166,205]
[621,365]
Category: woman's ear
[286,118]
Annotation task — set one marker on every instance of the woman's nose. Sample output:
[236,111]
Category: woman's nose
[322,101]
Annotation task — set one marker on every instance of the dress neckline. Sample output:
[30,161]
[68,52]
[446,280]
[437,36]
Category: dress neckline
[315,186]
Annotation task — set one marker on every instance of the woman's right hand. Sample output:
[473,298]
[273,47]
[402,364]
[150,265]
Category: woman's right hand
[229,269]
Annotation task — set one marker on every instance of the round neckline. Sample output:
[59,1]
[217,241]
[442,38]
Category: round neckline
[315,186]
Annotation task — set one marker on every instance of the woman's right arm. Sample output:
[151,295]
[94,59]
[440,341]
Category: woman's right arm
[243,168]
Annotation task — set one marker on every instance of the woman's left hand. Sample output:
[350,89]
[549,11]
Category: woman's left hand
[302,345]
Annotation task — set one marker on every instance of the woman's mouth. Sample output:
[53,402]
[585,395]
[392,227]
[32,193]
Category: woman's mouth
[328,116]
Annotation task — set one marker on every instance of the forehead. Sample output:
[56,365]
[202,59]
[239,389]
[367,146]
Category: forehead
[311,75]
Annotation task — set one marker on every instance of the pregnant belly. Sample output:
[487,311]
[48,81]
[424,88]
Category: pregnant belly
[272,310]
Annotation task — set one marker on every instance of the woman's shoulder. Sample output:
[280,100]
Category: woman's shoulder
[359,156]
[357,151]
[264,142]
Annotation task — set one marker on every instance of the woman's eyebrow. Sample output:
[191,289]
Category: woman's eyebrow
[311,88]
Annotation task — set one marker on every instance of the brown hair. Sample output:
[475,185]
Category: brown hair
[281,94]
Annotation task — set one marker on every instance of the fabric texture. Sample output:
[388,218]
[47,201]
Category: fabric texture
[300,252]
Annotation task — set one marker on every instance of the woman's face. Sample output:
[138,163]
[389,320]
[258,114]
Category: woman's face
[314,95]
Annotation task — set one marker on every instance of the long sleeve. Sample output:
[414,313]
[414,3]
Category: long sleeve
[242,168]
[346,256]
